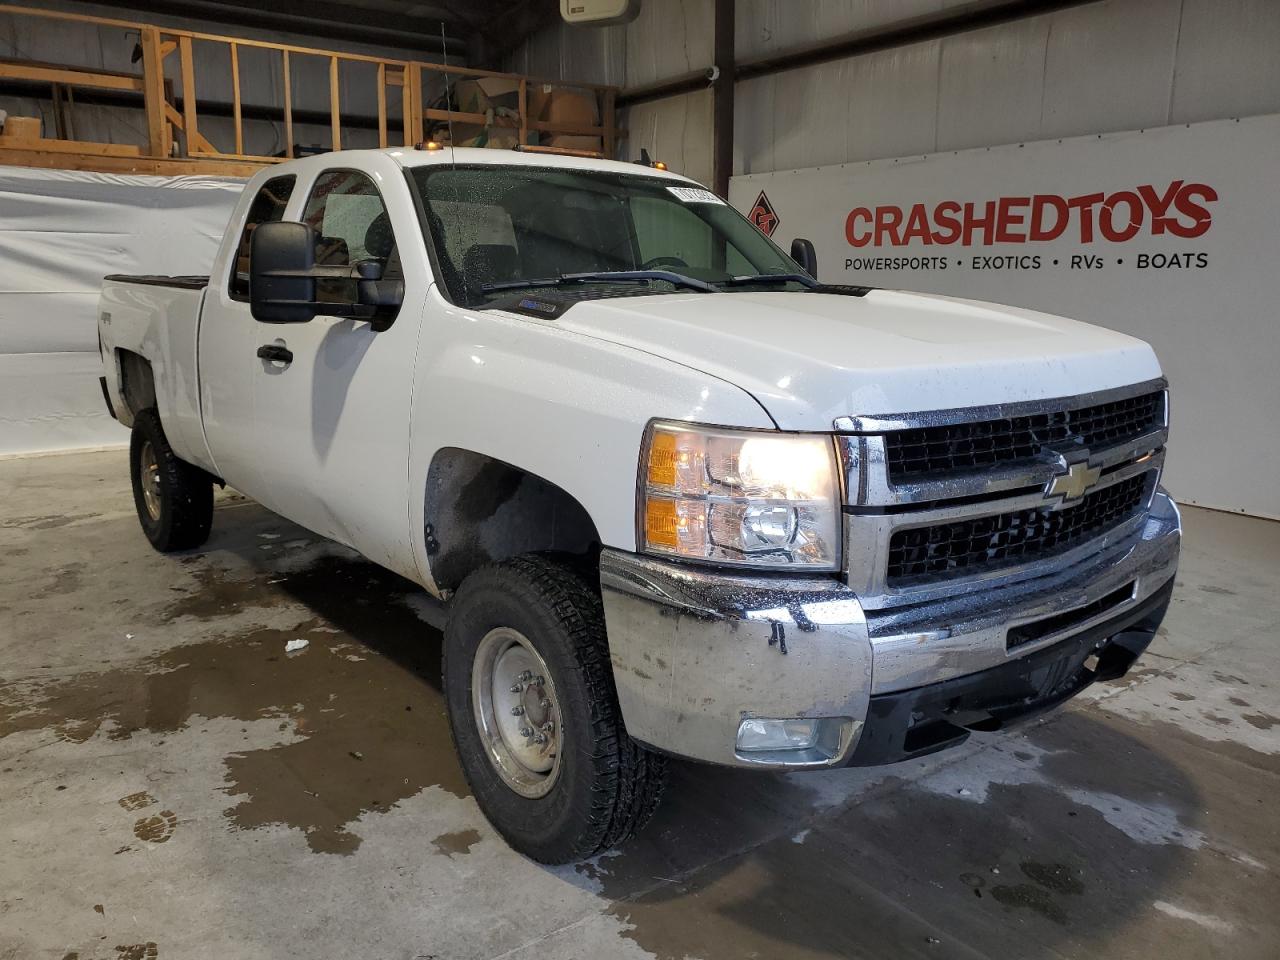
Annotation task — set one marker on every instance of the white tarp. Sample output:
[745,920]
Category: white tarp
[1167,234]
[60,233]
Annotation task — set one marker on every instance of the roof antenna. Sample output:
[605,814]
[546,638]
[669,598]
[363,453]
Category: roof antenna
[448,95]
[453,149]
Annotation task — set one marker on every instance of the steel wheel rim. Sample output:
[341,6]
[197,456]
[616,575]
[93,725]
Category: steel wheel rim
[149,468]
[515,703]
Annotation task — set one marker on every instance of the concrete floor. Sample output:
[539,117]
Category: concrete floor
[174,785]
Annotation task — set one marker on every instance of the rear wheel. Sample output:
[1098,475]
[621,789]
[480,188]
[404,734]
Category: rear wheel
[534,713]
[174,499]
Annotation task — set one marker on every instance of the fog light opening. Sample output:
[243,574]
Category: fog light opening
[756,735]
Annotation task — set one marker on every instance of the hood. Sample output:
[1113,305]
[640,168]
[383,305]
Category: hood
[809,357]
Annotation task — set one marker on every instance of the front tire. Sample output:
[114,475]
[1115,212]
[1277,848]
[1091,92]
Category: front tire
[174,499]
[560,778]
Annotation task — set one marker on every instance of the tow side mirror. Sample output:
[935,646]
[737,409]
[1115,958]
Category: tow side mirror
[282,261]
[283,276]
[802,252]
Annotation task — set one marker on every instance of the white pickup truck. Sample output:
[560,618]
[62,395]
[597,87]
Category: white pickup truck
[672,495]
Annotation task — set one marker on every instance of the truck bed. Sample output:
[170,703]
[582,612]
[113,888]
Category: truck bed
[157,319]
[158,280]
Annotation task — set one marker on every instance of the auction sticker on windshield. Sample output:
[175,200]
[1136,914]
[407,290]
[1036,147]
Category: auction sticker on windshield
[694,195]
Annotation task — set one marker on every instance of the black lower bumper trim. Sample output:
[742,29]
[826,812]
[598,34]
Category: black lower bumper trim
[924,720]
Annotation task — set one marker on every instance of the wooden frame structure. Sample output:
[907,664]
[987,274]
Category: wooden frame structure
[175,143]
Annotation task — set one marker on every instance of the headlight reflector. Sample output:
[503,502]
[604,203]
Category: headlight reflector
[740,496]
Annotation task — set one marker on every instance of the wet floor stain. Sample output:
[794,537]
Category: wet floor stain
[1263,721]
[157,828]
[63,581]
[1030,897]
[1057,877]
[387,707]
[1220,591]
[1032,871]
[457,843]
[49,522]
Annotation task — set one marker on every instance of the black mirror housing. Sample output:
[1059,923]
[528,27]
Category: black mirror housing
[282,259]
[803,253]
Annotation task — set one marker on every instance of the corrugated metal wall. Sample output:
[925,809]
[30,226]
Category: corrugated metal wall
[669,38]
[1109,66]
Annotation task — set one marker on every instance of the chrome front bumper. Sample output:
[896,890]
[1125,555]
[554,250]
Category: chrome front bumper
[696,651]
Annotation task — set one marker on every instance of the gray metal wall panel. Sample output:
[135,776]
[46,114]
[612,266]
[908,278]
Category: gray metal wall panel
[671,130]
[1109,67]
[670,37]
[1103,67]
[991,85]
[1228,60]
[771,26]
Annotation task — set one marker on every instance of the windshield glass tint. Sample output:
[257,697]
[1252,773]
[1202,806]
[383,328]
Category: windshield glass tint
[492,224]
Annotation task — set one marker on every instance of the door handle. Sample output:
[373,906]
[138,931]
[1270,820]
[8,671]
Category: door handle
[275,352]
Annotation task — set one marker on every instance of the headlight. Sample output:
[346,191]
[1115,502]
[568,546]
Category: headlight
[740,497]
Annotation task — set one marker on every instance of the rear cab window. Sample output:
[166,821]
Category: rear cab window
[268,207]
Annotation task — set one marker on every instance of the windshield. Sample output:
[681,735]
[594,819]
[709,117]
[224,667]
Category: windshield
[492,225]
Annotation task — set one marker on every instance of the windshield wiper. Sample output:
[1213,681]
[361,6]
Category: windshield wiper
[763,278]
[604,276]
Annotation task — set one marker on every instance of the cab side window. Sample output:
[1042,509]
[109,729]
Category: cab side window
[351,224]
[267,207]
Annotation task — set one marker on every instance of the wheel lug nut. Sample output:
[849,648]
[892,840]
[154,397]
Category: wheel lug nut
[544,703]
[539,738]
[548,727]
[526,731]
[517,711]
[525,677]
[517,687]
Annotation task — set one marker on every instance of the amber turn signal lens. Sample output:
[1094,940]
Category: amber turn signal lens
[662,459]
[660,522]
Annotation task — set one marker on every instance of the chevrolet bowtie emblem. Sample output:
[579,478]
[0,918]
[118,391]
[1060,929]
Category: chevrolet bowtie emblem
[1073,484]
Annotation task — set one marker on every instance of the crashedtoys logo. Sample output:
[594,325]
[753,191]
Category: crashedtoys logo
[1180,209]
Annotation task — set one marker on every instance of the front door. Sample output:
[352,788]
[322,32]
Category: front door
[228,341]
[333,413]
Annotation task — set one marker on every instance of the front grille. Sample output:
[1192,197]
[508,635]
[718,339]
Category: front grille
[968,446]
[972,546]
